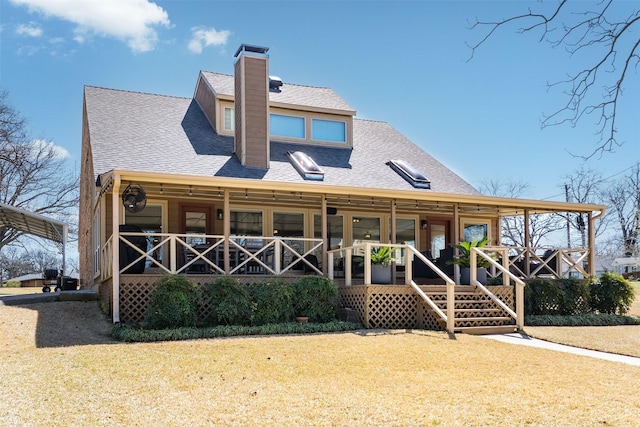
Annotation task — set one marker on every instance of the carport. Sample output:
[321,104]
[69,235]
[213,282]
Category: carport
[35,224]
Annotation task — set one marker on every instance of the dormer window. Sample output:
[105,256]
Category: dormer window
[409,173]
[306,166]
[287,126]
[328,130]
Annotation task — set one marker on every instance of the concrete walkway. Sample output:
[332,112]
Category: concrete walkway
[522,339]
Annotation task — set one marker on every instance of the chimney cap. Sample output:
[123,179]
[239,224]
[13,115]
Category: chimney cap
[251,48]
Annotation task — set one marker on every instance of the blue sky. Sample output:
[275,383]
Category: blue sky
[403,62]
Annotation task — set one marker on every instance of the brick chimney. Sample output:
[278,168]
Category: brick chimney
[252,106]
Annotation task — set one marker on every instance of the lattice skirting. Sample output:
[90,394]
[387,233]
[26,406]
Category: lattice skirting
[391,306]
[396,306]
[136,291]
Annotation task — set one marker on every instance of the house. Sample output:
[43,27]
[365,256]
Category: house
[255,176]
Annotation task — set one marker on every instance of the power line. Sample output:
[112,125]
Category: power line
[597,182]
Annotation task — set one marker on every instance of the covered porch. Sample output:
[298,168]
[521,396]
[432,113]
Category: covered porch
[254,230]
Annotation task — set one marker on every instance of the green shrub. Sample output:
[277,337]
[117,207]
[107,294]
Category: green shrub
[273,302]
[12,284]
[574,296]
[542,296]
[557,297]
[316,297]
[230,302]
[611,294]
[581,320]
[173,304]
[131,333]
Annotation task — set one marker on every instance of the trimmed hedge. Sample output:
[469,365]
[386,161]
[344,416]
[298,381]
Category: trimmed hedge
[608,294]
[315,297]
[177,301]
[173,304]
[230,302]
[611,294]
[273,302]
[130,333]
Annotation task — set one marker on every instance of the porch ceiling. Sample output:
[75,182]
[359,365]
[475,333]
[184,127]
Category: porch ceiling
[309,195]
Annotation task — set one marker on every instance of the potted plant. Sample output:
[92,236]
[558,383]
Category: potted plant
[464,261]
[381,259]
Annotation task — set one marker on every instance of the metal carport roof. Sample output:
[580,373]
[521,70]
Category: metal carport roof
[32,223]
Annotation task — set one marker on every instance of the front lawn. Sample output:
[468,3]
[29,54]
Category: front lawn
[60,367]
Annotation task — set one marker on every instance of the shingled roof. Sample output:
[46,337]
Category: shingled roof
[156,133]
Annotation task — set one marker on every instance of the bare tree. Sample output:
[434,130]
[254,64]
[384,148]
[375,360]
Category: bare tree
[608,35]
[34,175]
[624,202]
[584,186]
[540,225]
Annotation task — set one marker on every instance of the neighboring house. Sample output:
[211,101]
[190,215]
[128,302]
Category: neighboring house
[36,279]
[29,280]
[254,177]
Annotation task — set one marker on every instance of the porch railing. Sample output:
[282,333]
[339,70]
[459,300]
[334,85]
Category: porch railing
[503,266]
[210,254]
[528,263]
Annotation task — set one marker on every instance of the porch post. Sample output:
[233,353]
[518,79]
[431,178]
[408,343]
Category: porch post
[325,240]
[456,239]
[527,245]
[393,238]
[226,231]
[592,245]
[115,261]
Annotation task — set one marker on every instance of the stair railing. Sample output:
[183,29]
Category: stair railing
[518,315]
[449,317]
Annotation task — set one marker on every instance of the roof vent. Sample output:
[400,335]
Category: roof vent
[307,167]
[275,83]
[409,173]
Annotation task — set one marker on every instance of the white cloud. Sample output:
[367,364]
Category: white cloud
[203,37]
[41,145]
[31,30]
[131,21]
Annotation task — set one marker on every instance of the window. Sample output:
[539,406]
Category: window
[150,221]
[364,228]
[229,119]
[335,234]
[246,223]
[328,130]
[475,231]
[307,167]
[406,235]
[96,242]
[287,126]
[410,174]
[288,224]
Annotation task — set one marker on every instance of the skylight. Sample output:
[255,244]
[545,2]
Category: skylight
[411,174]
[306,166]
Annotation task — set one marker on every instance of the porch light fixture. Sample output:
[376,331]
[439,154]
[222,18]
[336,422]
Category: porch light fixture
[423,224]
[220,214]
[306,166]
[410,174]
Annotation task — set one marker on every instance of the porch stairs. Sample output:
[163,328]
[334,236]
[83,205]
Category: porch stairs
[475,312]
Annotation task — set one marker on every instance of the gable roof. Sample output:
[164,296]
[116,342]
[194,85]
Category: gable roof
[155,133]
[311,97]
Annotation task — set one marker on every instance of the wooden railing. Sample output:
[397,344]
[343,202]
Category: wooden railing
[528,263]
[188,253]
[488,253]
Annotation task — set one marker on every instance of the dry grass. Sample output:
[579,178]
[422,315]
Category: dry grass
[20,291]
[59,367]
